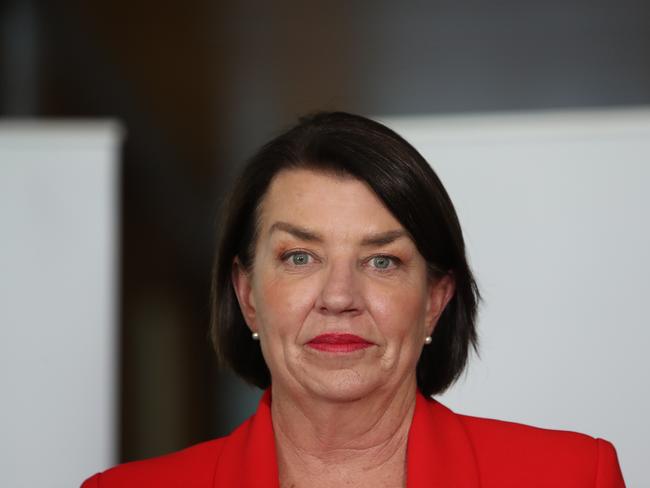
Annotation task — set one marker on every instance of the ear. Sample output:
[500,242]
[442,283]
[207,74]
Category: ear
[241,283]
[440,293]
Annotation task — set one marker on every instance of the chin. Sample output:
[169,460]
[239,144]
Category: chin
[341,386]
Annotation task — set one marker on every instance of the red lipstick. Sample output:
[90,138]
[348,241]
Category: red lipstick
[338,343]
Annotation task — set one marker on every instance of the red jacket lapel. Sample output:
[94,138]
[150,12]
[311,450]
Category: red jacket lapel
[248,456]
[440,453]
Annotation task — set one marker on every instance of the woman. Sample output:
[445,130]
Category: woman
[342,288]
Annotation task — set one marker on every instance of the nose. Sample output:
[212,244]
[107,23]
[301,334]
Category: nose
[340,291]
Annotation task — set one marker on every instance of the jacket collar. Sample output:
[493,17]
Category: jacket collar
[439,451]
[248,457]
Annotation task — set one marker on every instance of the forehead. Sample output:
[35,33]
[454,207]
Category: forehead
[325,201]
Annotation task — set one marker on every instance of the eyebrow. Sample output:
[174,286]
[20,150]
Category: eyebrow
[378,239]
[299,232]
[383,238]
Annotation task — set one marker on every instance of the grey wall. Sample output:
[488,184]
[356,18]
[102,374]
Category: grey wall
[554,208]
[59,359]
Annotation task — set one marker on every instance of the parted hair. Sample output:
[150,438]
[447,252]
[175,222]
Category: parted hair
[355,146]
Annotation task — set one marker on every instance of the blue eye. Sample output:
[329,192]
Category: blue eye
[299,258]
[382,262]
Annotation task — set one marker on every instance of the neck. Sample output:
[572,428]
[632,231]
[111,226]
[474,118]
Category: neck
[360,437]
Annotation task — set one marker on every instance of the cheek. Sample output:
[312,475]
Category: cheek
[400,313]
[282,304]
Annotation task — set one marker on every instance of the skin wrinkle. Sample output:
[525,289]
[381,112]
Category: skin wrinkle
[348,444]
[372,456]
[338,418]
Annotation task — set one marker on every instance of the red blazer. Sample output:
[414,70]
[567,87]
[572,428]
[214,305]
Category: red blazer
[445,450]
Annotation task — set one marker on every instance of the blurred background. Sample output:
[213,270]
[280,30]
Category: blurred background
[197,86]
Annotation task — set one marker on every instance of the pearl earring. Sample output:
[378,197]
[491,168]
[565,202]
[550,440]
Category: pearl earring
[427,340]
[255,336]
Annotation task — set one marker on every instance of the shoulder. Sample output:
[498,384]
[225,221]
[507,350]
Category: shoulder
[192,468]
[214,463]
[509,450]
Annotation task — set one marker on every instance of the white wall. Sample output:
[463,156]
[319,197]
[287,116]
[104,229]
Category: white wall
[555,209]
[58,261]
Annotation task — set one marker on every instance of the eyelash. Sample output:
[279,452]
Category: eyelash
[394,260]
[394,264]
[288,255]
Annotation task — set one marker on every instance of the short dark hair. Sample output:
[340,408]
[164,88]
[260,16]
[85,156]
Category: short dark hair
[346,144]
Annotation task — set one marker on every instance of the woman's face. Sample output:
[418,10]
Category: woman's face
[338,291]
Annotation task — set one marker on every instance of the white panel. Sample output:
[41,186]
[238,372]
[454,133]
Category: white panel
[58,242]
[555,210]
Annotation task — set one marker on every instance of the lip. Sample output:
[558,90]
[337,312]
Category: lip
[339,343]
